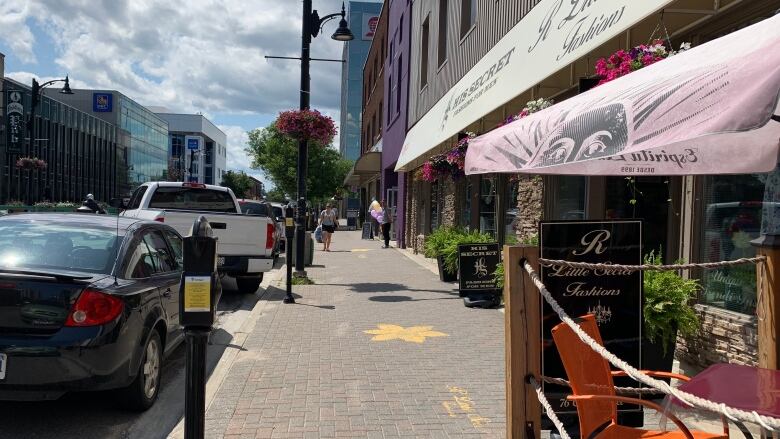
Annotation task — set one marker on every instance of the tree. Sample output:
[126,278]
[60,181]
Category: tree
[276,195]
[276,155]
[238,182]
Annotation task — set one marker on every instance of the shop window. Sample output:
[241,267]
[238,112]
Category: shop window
[487,205]
[424,54]
[511,215]
[468,16]
[434,205]
[466,218]
[442,49]
[646,198]
[732,208]
[569,198]
[399,82]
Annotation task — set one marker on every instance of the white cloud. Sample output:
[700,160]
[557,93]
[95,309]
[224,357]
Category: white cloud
[237,159]
[202,55]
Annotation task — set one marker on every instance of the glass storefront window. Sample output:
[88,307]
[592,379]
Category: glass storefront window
[569,198]
[487,205]
[646,198]
[732,212]
[512,211]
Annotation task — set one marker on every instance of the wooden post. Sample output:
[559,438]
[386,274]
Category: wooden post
[768,308]
[522,330]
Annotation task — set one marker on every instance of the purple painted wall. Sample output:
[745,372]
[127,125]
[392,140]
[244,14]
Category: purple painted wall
[396,100]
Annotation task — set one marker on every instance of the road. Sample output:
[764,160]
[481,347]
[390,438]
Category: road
[96,415]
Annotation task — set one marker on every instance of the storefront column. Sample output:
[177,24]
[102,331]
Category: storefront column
[768,309]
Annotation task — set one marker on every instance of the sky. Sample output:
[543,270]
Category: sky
[202,56]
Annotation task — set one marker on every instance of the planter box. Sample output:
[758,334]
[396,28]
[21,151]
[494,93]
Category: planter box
[444,275]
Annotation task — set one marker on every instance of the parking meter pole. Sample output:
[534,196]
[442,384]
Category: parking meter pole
[195,390]
[289,233]
[199,293]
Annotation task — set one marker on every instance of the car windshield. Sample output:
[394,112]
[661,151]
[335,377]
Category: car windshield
[31,245]
[187,198]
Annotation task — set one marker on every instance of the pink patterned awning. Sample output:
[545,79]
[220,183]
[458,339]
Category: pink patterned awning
[710,110]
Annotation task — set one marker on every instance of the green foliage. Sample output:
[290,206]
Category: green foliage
[276,195]
[300,280]
[531,240]
[667,303]
[238,182]
[499,275]
[439,238]
[277,155]
[450,251]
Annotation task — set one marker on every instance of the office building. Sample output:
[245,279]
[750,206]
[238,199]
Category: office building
[363,19]
[82,153]
[197,149]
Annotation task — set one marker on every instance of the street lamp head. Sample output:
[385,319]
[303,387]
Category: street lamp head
[343,33]
[66,88]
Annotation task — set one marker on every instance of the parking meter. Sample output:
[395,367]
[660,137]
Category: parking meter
[199,289]
[198,295]
[289,233]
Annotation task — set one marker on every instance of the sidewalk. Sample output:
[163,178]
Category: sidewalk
[433,369]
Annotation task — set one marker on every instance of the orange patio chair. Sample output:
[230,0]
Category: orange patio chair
[594,393]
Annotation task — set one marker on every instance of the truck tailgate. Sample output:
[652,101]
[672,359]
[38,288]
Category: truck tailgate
[237,234]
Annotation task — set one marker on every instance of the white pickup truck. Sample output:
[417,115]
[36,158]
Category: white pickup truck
[245,243]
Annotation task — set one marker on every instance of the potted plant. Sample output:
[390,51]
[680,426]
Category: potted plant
[450,251]
[434,248]
[309,125]
[667,313]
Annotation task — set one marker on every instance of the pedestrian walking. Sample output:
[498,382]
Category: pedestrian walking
[385,219]
[328,222]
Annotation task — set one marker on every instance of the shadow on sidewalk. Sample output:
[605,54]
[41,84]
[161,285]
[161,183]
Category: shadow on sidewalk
[394,299]
[387,287]
[277,295]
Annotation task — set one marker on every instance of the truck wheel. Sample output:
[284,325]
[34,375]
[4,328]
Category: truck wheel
[248,285]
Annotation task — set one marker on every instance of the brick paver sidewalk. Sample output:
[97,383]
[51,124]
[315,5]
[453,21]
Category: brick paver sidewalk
[430,368]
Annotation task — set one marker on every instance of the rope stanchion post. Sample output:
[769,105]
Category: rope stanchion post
[522,344]
[768,304]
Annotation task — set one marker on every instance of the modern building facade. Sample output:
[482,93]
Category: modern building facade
[363,19]
[147,154]
[204,164]
[476,63]
[82,153]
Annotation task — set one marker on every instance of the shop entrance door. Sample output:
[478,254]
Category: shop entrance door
[391,204]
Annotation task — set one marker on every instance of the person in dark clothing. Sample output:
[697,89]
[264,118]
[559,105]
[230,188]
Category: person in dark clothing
[386,220]
[92,204]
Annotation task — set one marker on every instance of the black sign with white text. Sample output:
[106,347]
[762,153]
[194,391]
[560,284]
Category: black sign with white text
[14,106]
[477,266]
[613,296]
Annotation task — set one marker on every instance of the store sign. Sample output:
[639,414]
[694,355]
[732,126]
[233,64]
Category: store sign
[370,23]
[14,105]
[614,297]
[193,142]
[552,35]
[102,102]
[477,264]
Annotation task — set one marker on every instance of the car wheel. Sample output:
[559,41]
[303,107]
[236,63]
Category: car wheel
[248,285]
[141,394]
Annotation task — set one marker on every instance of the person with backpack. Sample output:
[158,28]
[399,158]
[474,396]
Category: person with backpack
[327,220]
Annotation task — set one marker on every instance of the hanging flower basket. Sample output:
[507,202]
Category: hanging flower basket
[309,125]
[30,163]
[623,62]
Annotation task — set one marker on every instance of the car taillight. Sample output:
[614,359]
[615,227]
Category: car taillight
[94,308]
[160,219]
[269,236]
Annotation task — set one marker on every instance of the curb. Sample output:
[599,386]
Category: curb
[225,363]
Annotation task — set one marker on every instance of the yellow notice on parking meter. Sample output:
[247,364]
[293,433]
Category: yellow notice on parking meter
[289,222]
[197,294]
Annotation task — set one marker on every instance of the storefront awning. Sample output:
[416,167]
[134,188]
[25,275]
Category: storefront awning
[710,110]
[550,37]
[366,166]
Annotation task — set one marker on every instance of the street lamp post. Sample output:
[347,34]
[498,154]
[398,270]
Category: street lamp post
[312,24]
[37,91]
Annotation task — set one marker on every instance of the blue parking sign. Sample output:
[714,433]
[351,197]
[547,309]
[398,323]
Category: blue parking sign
[193,144]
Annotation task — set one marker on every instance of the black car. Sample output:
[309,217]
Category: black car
[87,302]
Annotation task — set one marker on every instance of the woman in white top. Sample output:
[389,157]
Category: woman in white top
[328,222]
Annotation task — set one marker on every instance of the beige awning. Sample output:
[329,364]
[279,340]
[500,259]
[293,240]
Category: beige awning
[366,166]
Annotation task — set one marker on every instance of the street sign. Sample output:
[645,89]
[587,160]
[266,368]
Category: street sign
[14,104]
[614,297]
[193,143]
[477,264]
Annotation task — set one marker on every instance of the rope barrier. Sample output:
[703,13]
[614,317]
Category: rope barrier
[622,390]
[766,422]
[548,408]
[650,267]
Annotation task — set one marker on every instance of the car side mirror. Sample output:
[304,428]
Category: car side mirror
[118,203]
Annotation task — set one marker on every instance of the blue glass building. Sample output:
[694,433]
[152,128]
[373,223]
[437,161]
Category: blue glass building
[363,18]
